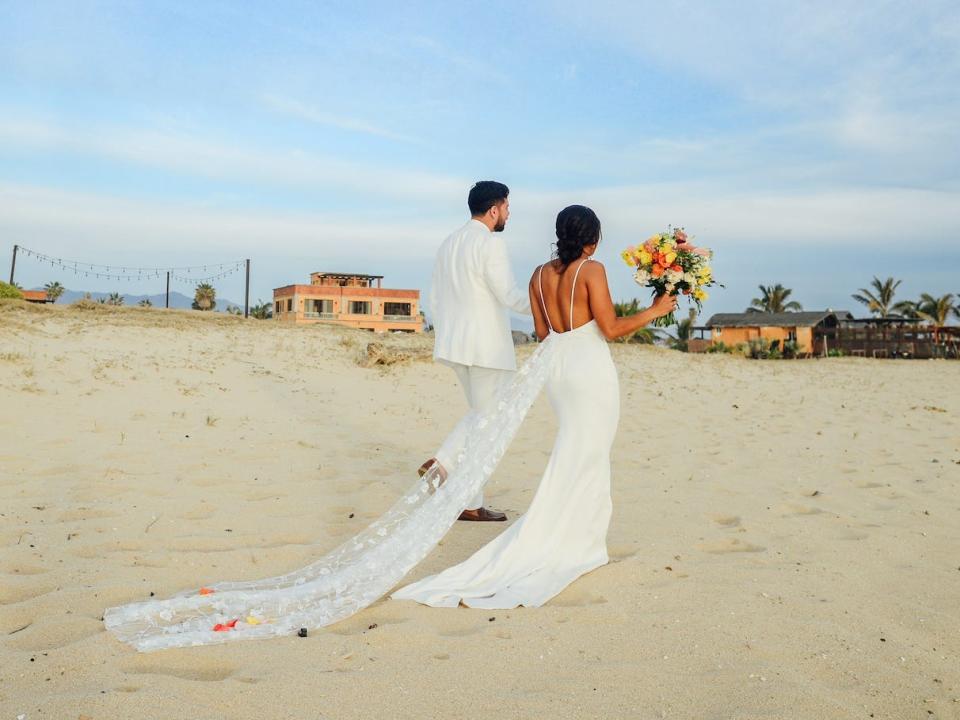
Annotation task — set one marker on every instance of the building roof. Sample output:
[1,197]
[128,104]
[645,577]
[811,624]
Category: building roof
[786,319]
[347,275]
[35,296]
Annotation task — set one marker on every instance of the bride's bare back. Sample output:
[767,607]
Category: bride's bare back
[591,300]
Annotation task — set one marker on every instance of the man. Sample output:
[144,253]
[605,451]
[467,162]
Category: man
[472,295]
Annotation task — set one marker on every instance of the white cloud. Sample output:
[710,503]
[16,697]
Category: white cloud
[62,220]
[297,109]
[205,157]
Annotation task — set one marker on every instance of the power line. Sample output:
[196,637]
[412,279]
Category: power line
[184,273]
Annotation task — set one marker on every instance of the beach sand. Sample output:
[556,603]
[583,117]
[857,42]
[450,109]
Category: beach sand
[785,540]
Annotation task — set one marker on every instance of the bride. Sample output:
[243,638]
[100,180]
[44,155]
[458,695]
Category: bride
[563,533]
[561,536]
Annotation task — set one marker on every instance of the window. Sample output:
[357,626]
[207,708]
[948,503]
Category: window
[320,306]
[290,305]
[395,308]
[359,307]
[276,307]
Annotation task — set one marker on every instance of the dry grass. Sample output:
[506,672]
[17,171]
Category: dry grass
[379,354]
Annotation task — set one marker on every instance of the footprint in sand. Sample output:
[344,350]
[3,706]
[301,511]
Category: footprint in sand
[85,514]
[16,589]
[201,512]
[441,656]
[357,625]
[15,619]
[15,568]
[96,552]
[47,635]
[577,597]
[205,482]
[725,520]
[621,552]
[731,545]
[462,632]
[184,666]
[788,509]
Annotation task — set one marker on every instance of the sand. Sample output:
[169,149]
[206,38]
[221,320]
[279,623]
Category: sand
[785,540]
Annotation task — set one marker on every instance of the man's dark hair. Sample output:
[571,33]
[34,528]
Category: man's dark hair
[484,195]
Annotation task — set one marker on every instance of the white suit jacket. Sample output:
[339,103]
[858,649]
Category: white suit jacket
[471,298]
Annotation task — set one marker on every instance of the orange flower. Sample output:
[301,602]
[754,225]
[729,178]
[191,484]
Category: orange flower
[676,266]
[657,270]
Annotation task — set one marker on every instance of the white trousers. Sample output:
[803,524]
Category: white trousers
[480,386]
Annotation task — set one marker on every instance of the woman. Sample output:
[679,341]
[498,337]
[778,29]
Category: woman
[563,533]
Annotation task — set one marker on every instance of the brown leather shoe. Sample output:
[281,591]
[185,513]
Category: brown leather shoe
[482,515]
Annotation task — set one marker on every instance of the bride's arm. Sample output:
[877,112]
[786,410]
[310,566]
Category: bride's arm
[539,323]
[601,306]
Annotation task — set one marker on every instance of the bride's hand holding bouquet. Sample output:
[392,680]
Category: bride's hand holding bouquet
[670,265]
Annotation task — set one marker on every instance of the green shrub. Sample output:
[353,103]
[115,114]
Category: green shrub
[8,291]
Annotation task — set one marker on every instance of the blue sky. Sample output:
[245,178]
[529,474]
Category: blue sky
[813,144]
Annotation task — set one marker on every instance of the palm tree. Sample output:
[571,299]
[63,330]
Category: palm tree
[54,290]
[684,331]
[936,311]
[905,308]
[145,303]
[262,310]
[205,298]
[773,299]
[643,336]
[115,299]
[879,300]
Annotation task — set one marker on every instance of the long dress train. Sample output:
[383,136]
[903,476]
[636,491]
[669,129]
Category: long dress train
[563,533]
[358,572]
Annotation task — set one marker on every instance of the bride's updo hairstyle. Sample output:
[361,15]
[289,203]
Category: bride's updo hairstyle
[577,227]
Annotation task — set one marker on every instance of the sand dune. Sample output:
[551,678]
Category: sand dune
[784,543]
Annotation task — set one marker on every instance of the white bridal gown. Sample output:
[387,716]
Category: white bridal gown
[563,533]
[561,537]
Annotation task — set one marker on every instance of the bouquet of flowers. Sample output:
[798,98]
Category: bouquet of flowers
[668,263]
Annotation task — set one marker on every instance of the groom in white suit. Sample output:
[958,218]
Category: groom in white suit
[472,295]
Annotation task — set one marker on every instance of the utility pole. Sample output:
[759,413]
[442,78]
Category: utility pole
[13,265]
[168,290]
[246,294]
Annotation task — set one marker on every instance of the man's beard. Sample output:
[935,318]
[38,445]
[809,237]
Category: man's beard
[501,224]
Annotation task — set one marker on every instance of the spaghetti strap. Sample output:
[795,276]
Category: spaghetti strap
[573,288]
[543,304]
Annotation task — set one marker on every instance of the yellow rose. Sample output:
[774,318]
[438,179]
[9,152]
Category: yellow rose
[671,256]
[627,257]
[645,257]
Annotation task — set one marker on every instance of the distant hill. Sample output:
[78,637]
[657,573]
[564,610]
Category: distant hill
[178,301]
